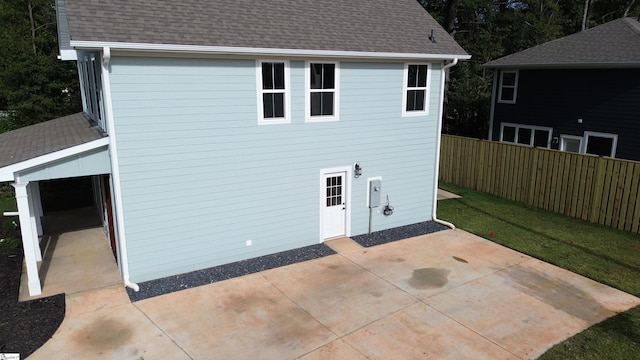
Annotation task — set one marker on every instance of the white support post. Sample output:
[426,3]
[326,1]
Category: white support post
[37,203]
[29,238]
[33,222]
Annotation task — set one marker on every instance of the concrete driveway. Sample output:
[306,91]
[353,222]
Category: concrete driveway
[446,295]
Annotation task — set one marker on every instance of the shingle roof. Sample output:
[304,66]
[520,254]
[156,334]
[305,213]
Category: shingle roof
[46,137]
[614,44]
[399,26]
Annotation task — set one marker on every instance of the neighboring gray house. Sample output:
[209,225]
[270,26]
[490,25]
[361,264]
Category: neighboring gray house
[225,130]
[580,93]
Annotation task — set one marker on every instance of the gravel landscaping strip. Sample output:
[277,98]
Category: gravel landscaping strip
[152,288]
[399,233]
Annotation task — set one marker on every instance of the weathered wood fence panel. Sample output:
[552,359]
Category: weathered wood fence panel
[602,190]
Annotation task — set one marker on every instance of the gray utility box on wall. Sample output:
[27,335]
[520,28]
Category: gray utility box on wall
[375,189]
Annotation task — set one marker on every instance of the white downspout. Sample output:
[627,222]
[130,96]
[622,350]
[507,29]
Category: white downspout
[438,139]
[115,170]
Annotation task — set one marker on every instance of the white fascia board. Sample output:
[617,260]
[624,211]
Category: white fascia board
[226,50]
[7,173]
[66,55]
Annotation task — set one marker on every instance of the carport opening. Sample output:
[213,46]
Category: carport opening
[68,204]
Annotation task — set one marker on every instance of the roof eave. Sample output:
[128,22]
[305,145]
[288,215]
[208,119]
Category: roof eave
[224,50]
[594,65]
[8,172]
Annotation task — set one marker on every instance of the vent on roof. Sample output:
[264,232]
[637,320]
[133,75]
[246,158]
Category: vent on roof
[431,37]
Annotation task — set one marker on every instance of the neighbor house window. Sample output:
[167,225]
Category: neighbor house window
[508,87]
[601,144]
[538,136]
[416,89]
[571,143]
[273,92]
[322,84]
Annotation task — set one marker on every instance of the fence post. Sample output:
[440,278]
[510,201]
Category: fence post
[533,175]
[596,193]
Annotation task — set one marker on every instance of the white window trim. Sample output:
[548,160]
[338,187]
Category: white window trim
[587,134]
[571,137]
[307,97]
[287,94]
[405,89]
[533,128]
[515,87]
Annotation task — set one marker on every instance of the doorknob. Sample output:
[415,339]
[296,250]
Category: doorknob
[344,206]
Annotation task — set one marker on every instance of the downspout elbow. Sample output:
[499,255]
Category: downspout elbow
[129,284]
[442,222]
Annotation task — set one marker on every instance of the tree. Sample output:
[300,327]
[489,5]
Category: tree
[34,85]
[489,29]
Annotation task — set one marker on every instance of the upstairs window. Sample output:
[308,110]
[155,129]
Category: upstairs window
[273,96]
[416,89]
[322,81]
[90,72]
[508,87]
[538,136]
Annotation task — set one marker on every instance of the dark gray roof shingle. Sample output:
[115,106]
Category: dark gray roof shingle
[400,26]
[46,137]
[614,44]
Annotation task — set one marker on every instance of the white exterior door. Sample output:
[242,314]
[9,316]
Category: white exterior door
[334,206]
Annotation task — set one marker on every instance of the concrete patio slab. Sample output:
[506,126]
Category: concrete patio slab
[111,332]
[421,332]
[74,261]
[242,318]
[338,349]
[446,295]
[338,293]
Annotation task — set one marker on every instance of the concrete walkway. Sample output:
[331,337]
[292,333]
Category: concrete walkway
[447,295]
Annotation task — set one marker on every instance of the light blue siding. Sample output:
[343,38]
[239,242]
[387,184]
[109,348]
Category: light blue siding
[93,162]
[199,176]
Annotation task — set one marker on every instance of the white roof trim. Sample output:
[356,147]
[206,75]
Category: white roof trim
[259,51]
[68,55]
[8,172]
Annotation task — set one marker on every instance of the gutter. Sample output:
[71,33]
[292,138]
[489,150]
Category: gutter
[438,140]
[250,51]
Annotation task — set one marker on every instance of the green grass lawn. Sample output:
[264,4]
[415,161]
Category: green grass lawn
[7,198]
[604,254]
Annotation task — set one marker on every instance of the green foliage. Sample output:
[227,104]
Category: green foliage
[490,29]
[34,85]
[615,338]
[9,243]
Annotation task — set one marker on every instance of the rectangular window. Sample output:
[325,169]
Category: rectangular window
[273,92]
[601,144]
[90,71]
[416,89]
[508,87]
[571,143]
[322,84]
[538,136]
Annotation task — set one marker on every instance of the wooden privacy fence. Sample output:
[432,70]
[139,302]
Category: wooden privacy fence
[597,189]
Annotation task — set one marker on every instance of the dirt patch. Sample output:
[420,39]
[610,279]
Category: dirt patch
[24,326]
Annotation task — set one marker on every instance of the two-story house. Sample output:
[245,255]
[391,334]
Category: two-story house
[579,93]
[217,131]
